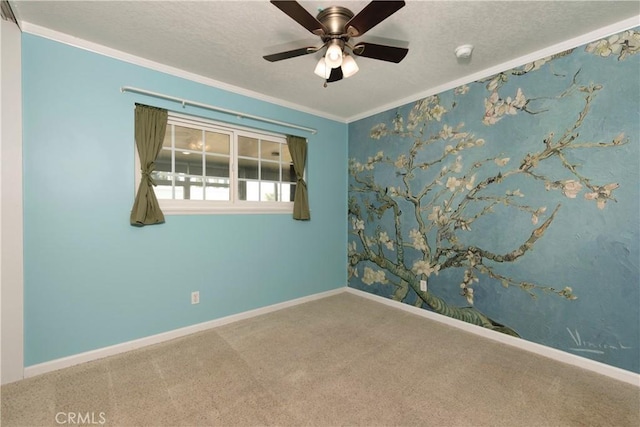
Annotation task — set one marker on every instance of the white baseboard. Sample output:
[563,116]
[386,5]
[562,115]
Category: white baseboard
[100,353]
[542,350]
[552,353]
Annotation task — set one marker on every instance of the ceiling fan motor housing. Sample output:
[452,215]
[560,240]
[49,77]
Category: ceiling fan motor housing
[335,18]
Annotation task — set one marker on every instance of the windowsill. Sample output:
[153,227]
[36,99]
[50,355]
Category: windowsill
[189,207]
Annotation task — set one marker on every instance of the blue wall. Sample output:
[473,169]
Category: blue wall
[489,163]
[92,280]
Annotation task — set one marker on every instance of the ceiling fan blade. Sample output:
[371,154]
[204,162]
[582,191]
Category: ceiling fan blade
[336,74]
[301,16]
[380,51]
[373,14]
[290,53]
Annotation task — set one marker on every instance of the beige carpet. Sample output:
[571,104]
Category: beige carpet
[342,360]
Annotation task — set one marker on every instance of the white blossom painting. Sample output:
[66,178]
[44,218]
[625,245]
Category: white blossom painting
[515,198]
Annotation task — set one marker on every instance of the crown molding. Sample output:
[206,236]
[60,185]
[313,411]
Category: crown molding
[156,66]
[517,62]
[99,49]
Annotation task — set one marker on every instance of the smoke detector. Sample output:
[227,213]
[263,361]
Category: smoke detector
[464,51]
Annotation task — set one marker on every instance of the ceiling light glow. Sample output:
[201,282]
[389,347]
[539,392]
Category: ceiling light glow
[322,69]
[349,66]
[333,57]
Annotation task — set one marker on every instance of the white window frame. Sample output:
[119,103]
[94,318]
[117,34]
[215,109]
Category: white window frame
[233,206]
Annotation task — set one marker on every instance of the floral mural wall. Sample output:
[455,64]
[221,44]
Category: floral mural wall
[512,202]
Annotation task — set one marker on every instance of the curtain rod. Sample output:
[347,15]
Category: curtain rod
[214,108]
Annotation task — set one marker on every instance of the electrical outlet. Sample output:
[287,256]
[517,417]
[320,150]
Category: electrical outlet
[195,297]
[423,285]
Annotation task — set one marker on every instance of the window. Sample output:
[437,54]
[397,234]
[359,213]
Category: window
[207,167]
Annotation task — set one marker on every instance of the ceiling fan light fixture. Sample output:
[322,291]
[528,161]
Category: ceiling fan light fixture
[322,69]
[349,66]
[336,25]
[333,56]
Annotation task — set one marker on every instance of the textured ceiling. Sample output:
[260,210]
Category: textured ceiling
[225,41]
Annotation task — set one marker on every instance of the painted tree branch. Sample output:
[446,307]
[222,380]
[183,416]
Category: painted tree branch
[466,314]
[448,201]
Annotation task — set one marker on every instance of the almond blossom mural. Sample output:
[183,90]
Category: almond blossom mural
[514,198]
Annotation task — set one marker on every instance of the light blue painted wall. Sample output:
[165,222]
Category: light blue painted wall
[92,280]
[595,252]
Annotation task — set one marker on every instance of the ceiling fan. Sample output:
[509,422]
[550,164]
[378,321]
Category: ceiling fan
[335,26]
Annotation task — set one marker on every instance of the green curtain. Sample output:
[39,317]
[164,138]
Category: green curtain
[151,124]
[298,149]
